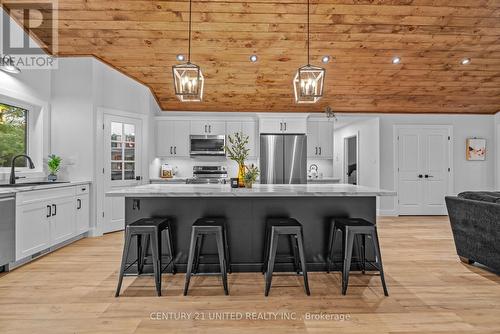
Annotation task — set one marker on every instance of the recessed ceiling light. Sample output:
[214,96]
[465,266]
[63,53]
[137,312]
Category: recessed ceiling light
[325,59]
[465,61]
[396,60]
[180,57]
[7,65]
[253,58]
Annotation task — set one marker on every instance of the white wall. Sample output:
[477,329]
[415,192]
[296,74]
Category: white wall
[68,98]
[369,151]
[468,175]
[73,118]
[29,89]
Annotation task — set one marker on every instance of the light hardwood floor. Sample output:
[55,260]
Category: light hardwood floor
[71,291]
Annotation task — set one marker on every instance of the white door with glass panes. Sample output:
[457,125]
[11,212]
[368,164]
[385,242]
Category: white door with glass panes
[122,165]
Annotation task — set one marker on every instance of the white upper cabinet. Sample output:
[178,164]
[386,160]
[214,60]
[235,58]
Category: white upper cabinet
[312,139]
[319,139]
[208,127]
[282,125]
[172,138]
[248,129]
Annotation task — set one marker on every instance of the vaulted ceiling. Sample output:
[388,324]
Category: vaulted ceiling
[141,38]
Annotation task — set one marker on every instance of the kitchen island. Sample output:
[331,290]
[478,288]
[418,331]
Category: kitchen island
[246,210]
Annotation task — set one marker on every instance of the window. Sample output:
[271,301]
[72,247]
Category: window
[13,134]
[122,151]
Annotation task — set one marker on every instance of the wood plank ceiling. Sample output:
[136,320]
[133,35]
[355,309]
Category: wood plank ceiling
[141,38]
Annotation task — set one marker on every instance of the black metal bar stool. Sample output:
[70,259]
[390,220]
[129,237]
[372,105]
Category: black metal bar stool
[201,228]
[351,228]
[151,229]
[284,226]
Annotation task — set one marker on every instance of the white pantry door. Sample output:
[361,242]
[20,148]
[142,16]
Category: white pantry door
[122,165]
[423,169]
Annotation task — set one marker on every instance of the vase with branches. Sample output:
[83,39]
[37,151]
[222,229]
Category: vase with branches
[237,151]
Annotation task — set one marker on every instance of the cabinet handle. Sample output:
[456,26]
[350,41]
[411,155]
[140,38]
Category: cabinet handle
[316,150]
[78,204]
[55,209]
[170,149]
[420,176]
[320,150]
[175,149]
[49,211]
[209,129]
[205,128]
[285,126]
[281,126]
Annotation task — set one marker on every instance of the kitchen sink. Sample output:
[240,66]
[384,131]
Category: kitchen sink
[31,184]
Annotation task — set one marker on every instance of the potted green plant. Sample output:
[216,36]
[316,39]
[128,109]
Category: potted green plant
[251,176]
[54,165]
[237,151]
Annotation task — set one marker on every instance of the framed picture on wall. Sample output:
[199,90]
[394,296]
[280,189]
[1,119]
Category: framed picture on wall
[475,149]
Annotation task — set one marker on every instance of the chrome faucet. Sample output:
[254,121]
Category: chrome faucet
[13,173]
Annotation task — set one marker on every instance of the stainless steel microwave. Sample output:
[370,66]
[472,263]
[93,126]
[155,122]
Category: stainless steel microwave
[207,145]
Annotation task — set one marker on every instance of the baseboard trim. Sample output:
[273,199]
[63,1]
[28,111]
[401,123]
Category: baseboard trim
[390,213]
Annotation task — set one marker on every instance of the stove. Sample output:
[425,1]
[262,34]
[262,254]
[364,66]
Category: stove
[208,175]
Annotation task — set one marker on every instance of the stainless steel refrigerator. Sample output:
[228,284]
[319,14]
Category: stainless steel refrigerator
[283,158]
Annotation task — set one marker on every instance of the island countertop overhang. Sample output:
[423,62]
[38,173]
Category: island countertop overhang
[258,190]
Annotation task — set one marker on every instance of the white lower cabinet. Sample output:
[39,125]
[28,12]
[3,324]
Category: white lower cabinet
[32,229]
[63,220]
[82,209]
[45,218]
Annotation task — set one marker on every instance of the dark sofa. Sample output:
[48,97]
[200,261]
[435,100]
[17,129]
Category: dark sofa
[475,222]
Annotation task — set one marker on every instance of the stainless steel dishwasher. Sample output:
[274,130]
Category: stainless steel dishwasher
[7,229]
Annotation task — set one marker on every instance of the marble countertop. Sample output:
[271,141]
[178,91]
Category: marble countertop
[258,190]
[13,190]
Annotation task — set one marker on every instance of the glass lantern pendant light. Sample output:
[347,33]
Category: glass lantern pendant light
[308,81]
[188,79]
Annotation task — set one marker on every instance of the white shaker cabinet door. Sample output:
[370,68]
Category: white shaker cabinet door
[248,128]
[82,214]
[164,138]
[325,140]
[32,229]
[181,138]
[63,220]
[312,139]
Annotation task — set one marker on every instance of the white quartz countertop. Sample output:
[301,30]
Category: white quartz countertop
[258,190]
[13,190]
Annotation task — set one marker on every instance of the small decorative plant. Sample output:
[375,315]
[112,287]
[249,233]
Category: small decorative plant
[250,175]
[54,165]
[237,151]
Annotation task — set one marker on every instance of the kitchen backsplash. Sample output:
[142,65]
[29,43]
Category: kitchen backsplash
[185,165]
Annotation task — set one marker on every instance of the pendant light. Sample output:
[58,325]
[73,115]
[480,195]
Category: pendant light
[188,78]
[308,81]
